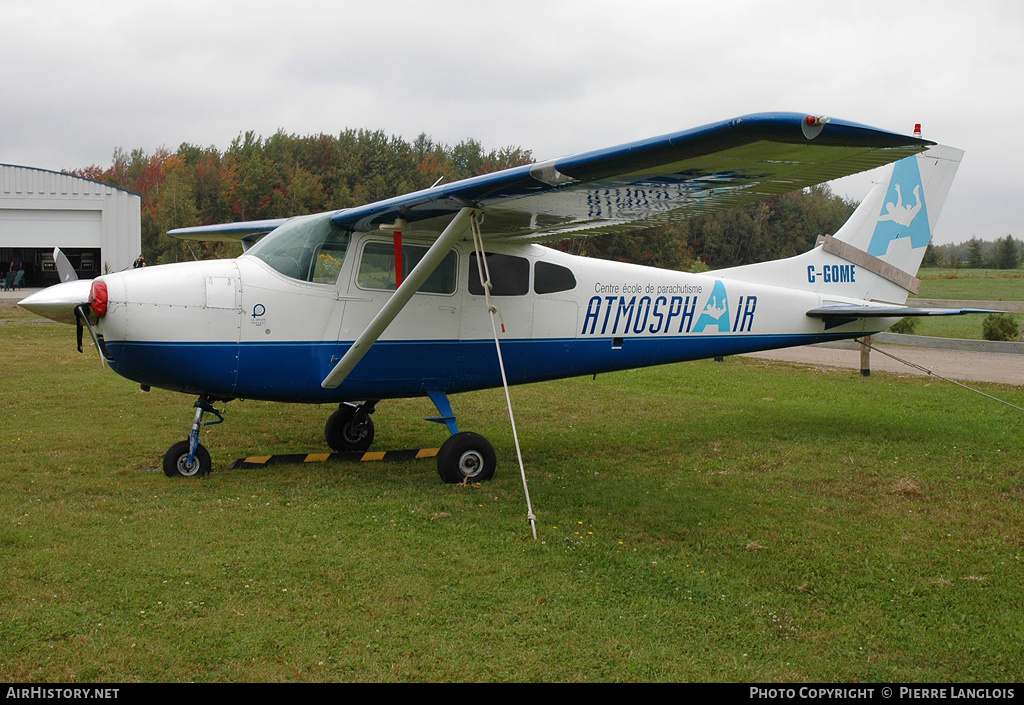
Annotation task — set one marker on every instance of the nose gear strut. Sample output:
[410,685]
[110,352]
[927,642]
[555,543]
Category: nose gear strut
[189,458]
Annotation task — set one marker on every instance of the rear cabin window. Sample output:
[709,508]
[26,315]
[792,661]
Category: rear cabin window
[550,278]
[377,268]
[510,275]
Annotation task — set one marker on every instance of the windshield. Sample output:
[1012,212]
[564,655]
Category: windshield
[310,248]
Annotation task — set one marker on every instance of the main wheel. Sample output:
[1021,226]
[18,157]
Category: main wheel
[344,433]
[466,457]
[176,461]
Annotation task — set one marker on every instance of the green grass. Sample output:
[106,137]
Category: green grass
[967,327]
[735,521]
[972,284]
[965,285]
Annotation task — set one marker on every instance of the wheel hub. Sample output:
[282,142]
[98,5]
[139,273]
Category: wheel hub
[470,463]
[186,468]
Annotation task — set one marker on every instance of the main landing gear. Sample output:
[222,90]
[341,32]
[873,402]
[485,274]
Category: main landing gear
[189,458]
[350,428]
[464,457]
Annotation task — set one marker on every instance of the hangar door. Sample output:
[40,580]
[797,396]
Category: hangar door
[47,229]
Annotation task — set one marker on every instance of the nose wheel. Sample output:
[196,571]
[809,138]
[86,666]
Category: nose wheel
[177,462]
[189,458]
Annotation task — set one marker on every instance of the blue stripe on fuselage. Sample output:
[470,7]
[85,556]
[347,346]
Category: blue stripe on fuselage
[393,369]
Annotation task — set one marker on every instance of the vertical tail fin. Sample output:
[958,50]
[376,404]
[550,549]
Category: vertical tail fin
[875,255]
[894,224]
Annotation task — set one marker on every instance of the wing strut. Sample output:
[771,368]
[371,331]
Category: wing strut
[419,274]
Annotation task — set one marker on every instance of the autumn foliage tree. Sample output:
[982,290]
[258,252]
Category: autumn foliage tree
[285,175]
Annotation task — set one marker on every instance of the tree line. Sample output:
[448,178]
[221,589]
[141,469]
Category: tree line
[1004,253]
[286,175]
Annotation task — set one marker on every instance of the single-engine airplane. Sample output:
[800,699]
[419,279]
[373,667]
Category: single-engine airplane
[397,298]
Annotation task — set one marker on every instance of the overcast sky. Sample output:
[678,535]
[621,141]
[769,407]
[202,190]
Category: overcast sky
[83,78]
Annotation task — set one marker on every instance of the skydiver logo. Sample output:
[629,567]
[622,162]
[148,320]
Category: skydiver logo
[899,213]
[899,219]
[716,311]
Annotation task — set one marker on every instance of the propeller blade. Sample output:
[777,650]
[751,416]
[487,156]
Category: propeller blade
[64,269]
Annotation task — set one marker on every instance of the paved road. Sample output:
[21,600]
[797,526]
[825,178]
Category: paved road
[962,365]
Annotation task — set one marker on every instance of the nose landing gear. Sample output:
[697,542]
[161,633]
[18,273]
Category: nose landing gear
[189,458]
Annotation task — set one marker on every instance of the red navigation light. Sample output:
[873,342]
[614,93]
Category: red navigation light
[98,298]
[810,120]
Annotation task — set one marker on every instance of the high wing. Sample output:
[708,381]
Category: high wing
[658,180]
[663,179]
[247,232]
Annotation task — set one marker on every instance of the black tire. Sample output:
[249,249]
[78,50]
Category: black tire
[343,436]
[466,457]
[176,461]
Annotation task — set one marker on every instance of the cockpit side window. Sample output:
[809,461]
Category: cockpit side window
[377,268]
[310,248]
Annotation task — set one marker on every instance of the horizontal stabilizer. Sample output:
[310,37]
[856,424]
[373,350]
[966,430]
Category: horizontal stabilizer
[831,312]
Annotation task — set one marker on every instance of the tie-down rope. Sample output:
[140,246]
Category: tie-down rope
[869,346]
[485,282]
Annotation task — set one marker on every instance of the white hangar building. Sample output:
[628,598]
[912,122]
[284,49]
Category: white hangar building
[98,227]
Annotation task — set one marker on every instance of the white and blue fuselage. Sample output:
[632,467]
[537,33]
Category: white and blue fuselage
[242,329]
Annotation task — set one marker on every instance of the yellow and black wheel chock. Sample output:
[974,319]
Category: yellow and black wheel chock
[259,461]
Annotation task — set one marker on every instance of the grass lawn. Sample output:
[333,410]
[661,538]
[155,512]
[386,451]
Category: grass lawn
[972,284]
[734,521]
[965,285]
